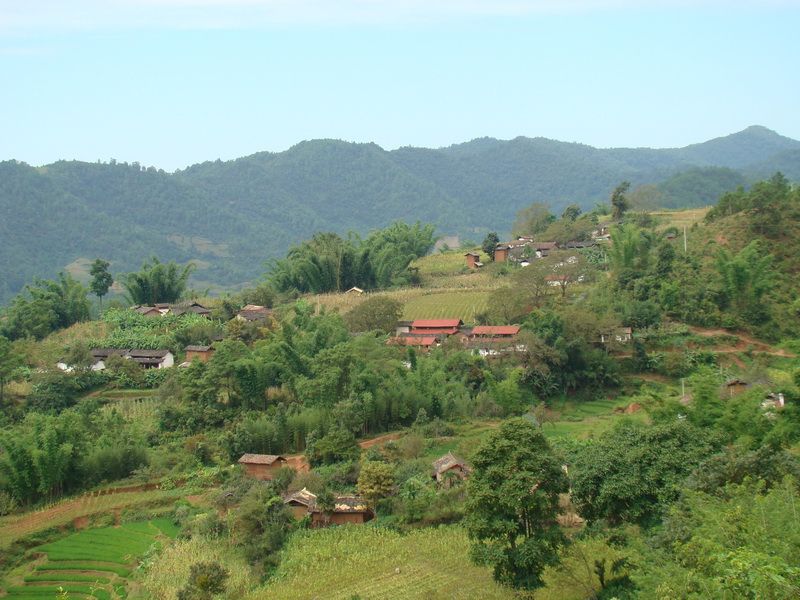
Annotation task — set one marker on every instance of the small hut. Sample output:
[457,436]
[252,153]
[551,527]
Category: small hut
[262,466]
[450,467]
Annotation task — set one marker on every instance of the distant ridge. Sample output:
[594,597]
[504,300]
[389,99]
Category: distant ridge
[233,216]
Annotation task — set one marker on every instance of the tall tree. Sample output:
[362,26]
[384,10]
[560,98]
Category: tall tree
[157,282]
[571,212]
[619,203]
[513,504]
[490,244]
[101,279]
[533,219]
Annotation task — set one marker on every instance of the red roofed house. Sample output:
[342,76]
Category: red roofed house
[495,331]
[262,466]
[436,326]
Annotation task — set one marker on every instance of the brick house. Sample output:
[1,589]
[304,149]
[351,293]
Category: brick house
[262,466]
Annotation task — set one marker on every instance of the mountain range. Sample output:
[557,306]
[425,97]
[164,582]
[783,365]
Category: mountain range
[231,217]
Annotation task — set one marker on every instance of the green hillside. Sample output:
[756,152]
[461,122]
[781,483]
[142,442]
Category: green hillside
[232,216]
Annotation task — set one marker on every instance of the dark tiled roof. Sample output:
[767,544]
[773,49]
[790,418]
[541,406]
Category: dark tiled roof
[197,348]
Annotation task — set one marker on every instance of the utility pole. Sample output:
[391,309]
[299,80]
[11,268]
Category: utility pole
[685,250]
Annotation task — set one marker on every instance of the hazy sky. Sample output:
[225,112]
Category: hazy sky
[174,82]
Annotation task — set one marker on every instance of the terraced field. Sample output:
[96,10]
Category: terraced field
[462,305]
[94,563]
[66,511]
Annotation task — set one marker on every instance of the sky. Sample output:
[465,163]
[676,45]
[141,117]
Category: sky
[170,83]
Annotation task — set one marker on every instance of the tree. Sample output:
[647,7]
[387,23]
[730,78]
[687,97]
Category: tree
[571,212]
[619,203]
[375,481]
[533,219]
[157,282]
[513,503]
[490,244]
[633,471]
[338,445]
[101,279]
[206,579]
[374,314]
[10,361]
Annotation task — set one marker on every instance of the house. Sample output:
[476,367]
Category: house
[300,503]
[580,244]
[151,359]
[501,253]
[494,331]
[473,260]
[147,311]
[189,307]
[201,353]
[449,468]
[402,327]
[623,335]
[435,326]
[99,358]
[423,342]
[357,291]
[542,249]
[774,402]
[262,466]
[346,509]
[253,313]
[736,386]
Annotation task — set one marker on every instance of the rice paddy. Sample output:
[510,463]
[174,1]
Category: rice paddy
[94,563]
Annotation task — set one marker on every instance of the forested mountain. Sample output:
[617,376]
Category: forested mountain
[233,216]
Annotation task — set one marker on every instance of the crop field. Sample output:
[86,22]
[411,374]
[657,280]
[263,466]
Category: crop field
[139,410]
[370,562]
[680,218]
[66,511]
[452,304]
[94,563]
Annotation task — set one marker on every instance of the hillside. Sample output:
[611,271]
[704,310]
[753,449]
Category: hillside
[230,217]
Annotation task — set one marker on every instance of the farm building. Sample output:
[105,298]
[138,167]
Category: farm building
[147,311]
[189,307]
[262,466]
[423,342]
[736,386]
[449,468]
[435,326]
[501,253]
[253,313]
[346,509]
[148,359]
[201,353]
[151,359]
[473,260]
[300,503]
[355,291]
[621,335]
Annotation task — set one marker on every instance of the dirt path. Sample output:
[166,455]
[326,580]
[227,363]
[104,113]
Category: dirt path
[745,342]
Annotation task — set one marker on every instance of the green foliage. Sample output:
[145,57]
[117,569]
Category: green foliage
[513,503]
[329,263]
[490,244]
[632,472]
[532,219]
[376,480]
[745,279]
[338,445]
[157,282]
[206,579]
[44,307]
[377,313]
[619,202]
[10,362]
[101,278]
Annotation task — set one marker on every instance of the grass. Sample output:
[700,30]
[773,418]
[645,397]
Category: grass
[70,577]
[680,218]
[107,544]
[370,562]
[69,565]
[50,592]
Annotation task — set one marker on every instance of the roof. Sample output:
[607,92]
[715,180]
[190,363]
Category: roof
[254,315]
[347,504]
[256,307]
[495,330]
[436,330]
[197,348]
[143,353]
[581,244]
[106,352]
[143,310]
[303,497]
[735,381]
[448,461]
[354,290]
[556,278]
[435,323]
[475,254]
[422,340]
[260,459]
[545,245]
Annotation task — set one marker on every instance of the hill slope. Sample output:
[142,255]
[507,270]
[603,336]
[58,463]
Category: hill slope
[230,217]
